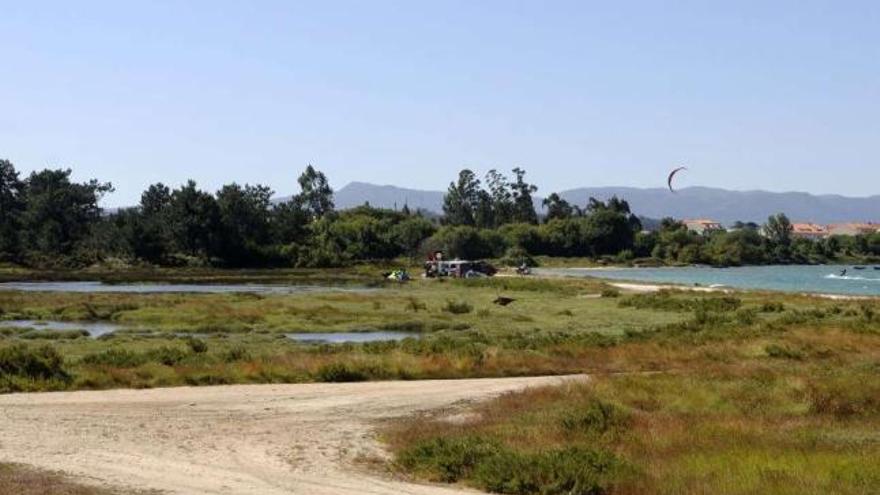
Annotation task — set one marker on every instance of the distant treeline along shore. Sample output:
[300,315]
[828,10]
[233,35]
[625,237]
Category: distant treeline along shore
[49,221]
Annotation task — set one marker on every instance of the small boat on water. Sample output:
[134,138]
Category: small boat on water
[877,267]
[858,268]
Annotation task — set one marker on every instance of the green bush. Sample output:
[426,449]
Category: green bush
[458,307]
[517,256]
[237,353]
[597,417]
[772,307]
[447,459]
[197,346]
[118,358]
[610,293]
[783,352]
[571,471]
[35,363]
[496,468]
[666,301]
[169,356]
[747,316]
[340,372]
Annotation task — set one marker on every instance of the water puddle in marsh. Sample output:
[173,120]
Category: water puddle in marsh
[98,329]
[93,328]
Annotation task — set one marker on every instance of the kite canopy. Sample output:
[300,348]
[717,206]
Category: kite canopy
[672,176]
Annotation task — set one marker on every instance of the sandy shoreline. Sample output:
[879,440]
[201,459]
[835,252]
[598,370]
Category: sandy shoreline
[647,288]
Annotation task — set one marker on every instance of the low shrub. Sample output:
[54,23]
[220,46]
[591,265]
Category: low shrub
[772,307]
[197,346]
[35,363]
[415,305]
[517,256]
[747,316]
[598,417]
[845,395]
[783,352]
[610,293]
[496,468]
[666,301]
[169,356]
[340,372]
[117,358]
[458,307]
[447,459]
[570,471]
[237,353]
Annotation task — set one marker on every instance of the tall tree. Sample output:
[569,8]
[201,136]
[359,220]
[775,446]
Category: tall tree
[244,220]
[194,220]
[156,199]
[147,227]
[59,213]
[558,208]
[290,222]
[316,196]
[11,206]
[461,199]
[501,197]
[616,205]
[484,214]
[778,230]
[523,206]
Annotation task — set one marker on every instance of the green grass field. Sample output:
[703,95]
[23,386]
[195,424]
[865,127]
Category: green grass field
[691,393]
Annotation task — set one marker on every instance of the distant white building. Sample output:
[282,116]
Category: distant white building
[703,226]
[810,231]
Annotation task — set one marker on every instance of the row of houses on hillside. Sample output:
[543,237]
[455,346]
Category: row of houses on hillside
[806,230]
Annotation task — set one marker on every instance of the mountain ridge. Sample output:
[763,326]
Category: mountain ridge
[723,205]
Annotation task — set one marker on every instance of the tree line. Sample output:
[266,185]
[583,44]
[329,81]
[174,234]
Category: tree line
[49,220]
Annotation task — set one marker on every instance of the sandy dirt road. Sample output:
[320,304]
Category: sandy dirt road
[249,439]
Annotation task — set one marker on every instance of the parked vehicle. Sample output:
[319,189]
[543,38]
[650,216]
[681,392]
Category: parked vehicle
[459,269]
[523,269]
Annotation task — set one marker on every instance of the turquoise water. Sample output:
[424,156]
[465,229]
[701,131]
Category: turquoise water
[824,279]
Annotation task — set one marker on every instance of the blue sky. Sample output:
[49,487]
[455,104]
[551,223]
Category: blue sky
[778,95]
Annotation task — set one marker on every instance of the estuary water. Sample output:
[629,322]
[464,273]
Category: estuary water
[822,279]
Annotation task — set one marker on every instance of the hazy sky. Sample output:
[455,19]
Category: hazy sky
[780,95]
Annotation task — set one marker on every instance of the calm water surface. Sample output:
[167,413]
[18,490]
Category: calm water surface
[94,329]
[824,279]
[94,287]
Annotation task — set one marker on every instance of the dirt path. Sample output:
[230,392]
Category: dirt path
[249,439]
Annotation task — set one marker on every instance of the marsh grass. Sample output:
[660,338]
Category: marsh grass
[17,479]
[693,393]
[748,427]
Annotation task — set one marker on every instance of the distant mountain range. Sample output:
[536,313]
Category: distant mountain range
[693,202]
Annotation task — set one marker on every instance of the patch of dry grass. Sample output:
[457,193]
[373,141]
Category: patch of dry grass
[17,479]
[723,417]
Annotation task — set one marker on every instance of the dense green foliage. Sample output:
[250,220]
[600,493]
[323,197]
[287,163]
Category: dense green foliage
[50,221]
